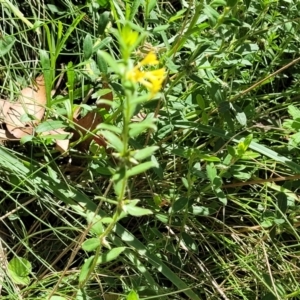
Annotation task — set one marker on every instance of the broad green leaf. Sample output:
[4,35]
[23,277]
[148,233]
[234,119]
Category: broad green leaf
[133,295]
[243,145]
[232,3]
[138,128]
[85,269]
[110,61]
[102,3]
[282,202]
[19,269]
[137,211]
[133,6]
[211,13]
[161,28]
[180,204]
[113,139]
[221,196]
[102,65]
[211,171]
[50,125]
[6,44]
[140,168]
[103,21]
[99,44]
[110,127]
[26,138]
[21,266]
[150,4]
[247,3]
[91,244]
[57,298]
[110,255]
[91,70]
[141,154]
[241,118]
[189,242]
[294,111]
[218,3]
[97,227]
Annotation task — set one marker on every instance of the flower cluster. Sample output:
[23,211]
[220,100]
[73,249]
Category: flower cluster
[152,80]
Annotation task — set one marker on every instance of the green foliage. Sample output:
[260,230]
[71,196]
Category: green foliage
[19,270]
[196,194]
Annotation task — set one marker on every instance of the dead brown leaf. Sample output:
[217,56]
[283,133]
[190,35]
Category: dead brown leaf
[4,107]
[6,136]
[89,123]
[32,102]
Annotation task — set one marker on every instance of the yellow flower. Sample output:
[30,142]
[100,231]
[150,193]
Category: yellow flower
[152,80]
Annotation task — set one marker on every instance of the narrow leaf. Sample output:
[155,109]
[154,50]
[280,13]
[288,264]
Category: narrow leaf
[87,47]
[110,255]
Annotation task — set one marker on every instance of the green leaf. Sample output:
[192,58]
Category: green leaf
[134,5]
[161,28]
[97,227]
[144,153]
[65,36]
[150,4]
[133,295]
[102,3]
[137,128]
[189,242]
[282,202]
[232,3]
[247,3]
[113,140]
[6,43]
[110,61]
[137,211]
[241,118]
[50,125]
[211,171]
[103,21]
[180,204]
[99,44]
[143,167]
[110,255]
[211,13]
[91,70]
[221,196]
[102,65]
[79,201]
[294,111]
[85,269]
[26,138]
[19,269]
[91,244]
[48,74]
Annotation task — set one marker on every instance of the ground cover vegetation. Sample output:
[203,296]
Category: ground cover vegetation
[149,149]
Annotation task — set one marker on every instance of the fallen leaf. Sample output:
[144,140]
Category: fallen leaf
[89,123]
[4,107]
[60,145]
[84,126]
[31,102]
[6,136]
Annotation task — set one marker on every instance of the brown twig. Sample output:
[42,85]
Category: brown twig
[260,181]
